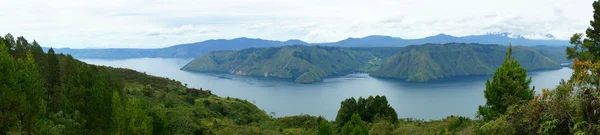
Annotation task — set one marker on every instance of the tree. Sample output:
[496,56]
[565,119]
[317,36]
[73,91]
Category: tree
[9,95]
[509,86]
[325,128]
[355,126]
[54,82]
[21,48]
[347,109]
[118,116]
[9,41]
[369,109]
[577,51]
[139,121]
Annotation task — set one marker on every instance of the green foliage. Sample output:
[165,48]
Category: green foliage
[509,86]
[381,127]
[498,126]
[370,109]
[325,128]
[355,126]
[22,91]
[573,106]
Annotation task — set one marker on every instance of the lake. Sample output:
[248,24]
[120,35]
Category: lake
[431,100]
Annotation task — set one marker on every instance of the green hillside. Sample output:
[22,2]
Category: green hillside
[306,64]
[435,61]
[303,64]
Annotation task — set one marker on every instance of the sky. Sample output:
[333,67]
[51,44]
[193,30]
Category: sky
[162,23]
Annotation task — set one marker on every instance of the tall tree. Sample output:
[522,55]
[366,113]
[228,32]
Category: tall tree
[9,41]
[592,42]
[33,106]
[9,95]
[347,109]
[21,48]
[509,86]
[53,78]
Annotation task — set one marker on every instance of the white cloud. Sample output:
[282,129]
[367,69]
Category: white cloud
[160,23]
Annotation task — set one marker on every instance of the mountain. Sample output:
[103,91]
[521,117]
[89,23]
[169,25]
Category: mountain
[194,50]
[190,50]
[492,38]
[303,64]
[307,64]
[435,61]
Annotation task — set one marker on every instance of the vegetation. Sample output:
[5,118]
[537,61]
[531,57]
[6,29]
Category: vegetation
[303,64]
[306,64]
[435,61]
[509,86]
[369,109]
[573,107]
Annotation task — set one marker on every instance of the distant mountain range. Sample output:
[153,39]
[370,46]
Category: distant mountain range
[194,50]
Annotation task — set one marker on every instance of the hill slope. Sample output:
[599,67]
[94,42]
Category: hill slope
[435,61]
[306,64]
[303,64]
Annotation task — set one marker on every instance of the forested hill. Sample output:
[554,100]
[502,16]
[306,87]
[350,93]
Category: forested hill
[435,61]
[194,50]
[306,64]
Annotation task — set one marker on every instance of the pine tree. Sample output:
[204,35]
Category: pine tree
[508,86]
[9,41]
[8,93]
[53,78]
[21,48]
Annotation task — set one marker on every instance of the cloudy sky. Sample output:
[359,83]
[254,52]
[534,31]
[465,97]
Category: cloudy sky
[161,23]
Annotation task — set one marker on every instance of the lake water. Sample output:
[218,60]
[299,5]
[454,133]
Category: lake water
[431,100]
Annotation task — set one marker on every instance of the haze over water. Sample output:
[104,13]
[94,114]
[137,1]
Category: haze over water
[431,100]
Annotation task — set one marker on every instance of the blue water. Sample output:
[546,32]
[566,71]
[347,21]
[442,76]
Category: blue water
[431,100]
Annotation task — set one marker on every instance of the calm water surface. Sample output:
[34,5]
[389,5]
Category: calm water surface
[432,100]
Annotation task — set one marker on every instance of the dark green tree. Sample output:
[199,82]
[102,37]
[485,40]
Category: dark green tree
[325,128]
[21,90]
[8,93]
[9,41]
[40,57]
[54,82]
[355,126]
[589,49]
[21,48]
[508,86]
[347,109]
[369,109]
